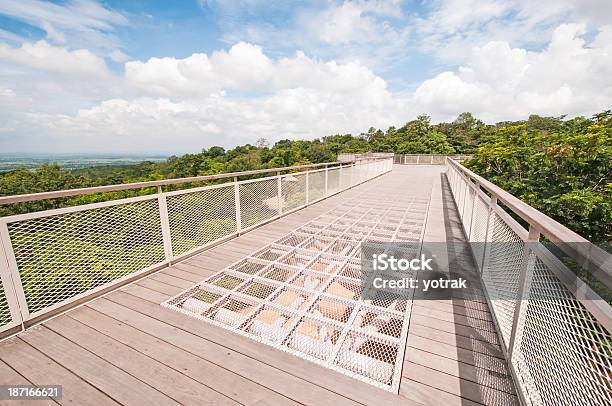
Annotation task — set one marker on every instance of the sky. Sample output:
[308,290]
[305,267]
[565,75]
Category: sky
[177,76]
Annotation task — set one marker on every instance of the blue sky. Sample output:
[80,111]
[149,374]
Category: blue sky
[171,77]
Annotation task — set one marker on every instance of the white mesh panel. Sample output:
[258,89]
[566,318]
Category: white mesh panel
[467,211]
[501,273]
[200,217]
[61,256]
[316,185]
[479,229]
[5,313]
[564,356]
[293,189]
[333,180]
[258,201]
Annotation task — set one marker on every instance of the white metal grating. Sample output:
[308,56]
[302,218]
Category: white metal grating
[293,190]
[316,185]
[333,180]
[199,217]
[259,201]
[478,231]
[559,339]
[62,256]
[301,294]
[5,312]
[502,272]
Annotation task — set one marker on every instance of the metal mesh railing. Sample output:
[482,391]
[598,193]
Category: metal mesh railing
[5,311]
[426,159]
[259,201]
[302,293]
[563,354]
[293,191]
[64,255]
[333,180]
[558,346]
[200,217]
[316,185]
[54,257]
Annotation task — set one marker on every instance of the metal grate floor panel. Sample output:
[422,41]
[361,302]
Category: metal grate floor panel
[301,293]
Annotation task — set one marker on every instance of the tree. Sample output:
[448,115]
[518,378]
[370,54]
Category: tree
[262,143]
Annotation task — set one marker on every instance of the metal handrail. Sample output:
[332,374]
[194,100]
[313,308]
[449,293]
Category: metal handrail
[30,197]
[586,254]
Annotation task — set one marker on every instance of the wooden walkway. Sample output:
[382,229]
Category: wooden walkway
[124,348]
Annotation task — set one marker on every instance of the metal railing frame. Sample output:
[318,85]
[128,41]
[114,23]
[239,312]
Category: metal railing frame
[463,183]
[427,159]
[21,318]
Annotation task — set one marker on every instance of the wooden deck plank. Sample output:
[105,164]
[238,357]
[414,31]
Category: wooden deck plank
[449,308]
[8,376]
[191,268]
[481,376]
[459,354]
[431,396]
[456,319]
[459,329]
[185,275]
[139,330]
[468,343]
[42,370]
[171,380]
[457,386]
[111,380]
[172,280]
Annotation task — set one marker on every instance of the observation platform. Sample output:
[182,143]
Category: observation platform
[124,348]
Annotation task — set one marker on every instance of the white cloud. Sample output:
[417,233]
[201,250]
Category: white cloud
[451,28]
[246,68]
[80,15]
[498,82]
[204,100]
[218,119]
[79,23]
[118,56]
[6,92]
[43,56]
[52,33]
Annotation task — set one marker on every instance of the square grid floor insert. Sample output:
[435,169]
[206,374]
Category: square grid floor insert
[302,293]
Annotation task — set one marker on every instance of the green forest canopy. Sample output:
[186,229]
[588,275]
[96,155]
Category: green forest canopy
[559,166]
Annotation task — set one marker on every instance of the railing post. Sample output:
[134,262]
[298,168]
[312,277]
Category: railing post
[165,223]
[307,187]
[525,277]
[280,192]
[326,171]
[11,280]
[237,203]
